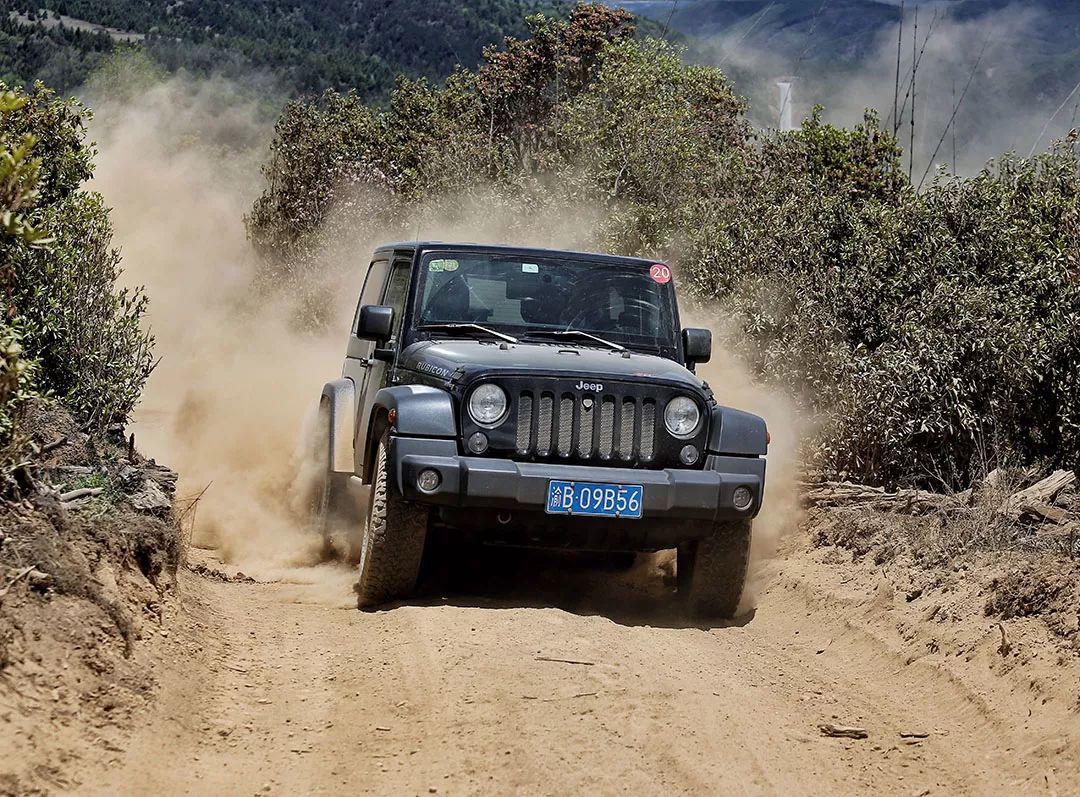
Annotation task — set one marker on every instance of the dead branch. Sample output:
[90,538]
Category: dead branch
[82,492]
[842,731]
[1043,492]
[55,444]
[1044,513]
[31,572]
[1005,647]
[565,661]
[914,502]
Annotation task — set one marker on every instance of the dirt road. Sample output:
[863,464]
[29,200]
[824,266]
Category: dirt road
[556,679]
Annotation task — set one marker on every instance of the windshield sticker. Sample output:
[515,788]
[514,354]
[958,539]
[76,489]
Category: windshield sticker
[530,268]
[660,273]
[442,265]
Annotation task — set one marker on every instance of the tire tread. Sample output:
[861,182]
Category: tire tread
[394,541]
[712,571]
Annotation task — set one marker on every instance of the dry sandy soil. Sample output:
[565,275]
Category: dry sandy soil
[549,677]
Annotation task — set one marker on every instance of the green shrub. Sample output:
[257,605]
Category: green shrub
[20,178]
[16,389]
[492,126]
[84,332]
[933,334]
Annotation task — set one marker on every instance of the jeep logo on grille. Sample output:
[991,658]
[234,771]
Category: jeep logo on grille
[595,387]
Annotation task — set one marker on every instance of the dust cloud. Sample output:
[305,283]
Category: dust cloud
[232,400]
[236,377]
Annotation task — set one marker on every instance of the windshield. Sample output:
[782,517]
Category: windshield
[629,304]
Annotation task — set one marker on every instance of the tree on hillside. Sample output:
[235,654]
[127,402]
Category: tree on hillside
[514,122]
[19,190]
[523,84]
[304,48]
[643,136]
[59,292]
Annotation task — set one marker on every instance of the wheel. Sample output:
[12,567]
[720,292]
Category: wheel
[711,572]
[320,495]
[331,508]
[353,526]
[393,541]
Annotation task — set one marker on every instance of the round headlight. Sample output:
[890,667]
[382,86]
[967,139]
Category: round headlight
[487,404]
[681,416]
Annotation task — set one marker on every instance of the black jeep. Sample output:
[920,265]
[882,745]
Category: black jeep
[537,398]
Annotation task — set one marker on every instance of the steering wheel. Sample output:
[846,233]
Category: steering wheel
[581,316]
[646,309]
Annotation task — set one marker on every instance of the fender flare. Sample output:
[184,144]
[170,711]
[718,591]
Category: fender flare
[737,433]
[420,411]
[339,398]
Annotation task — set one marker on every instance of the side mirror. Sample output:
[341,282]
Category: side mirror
[697,345]
[376,322]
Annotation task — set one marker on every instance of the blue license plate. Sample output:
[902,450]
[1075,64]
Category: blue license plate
[597,500]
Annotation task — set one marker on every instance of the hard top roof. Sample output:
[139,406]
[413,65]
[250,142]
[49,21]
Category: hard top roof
[525,251]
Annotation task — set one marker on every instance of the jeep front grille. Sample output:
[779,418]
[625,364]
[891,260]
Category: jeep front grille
[586,426]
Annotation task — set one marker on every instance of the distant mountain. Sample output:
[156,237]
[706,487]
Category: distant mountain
[303,45]
[1022,60]
[846,31]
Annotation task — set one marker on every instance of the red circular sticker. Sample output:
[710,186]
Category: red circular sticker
[660,273]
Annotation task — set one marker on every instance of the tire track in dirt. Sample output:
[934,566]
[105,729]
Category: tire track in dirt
[295,692]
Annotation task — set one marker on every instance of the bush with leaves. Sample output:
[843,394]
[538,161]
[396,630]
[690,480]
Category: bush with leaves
[642,136]
[61,292]
[934,334]
[19,181]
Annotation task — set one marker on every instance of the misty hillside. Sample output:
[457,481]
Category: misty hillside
[992,75]
[843,30]
[302,45]
[808,36]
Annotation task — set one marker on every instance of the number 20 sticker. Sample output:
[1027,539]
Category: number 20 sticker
[660,273]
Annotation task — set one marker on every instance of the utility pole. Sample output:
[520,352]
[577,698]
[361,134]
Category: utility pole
[914,93]
[785,86]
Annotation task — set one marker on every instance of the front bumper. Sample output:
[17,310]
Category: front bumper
[673,493]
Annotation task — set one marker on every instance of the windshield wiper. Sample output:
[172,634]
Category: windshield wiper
[467,328]
[574,333]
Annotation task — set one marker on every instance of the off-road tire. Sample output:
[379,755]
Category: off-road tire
[331,506]
[393,542]
[321,495]
[327,495]
[711,573]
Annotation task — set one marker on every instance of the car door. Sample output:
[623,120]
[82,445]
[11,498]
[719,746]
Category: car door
[371,374]
[358,352]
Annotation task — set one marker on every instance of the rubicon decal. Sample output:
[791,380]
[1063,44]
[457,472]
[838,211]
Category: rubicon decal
[437,370]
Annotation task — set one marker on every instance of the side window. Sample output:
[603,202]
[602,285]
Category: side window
[397,288]
[373,284]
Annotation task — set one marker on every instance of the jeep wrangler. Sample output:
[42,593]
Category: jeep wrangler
[534,397]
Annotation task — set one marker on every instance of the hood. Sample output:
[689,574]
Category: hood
[462,360]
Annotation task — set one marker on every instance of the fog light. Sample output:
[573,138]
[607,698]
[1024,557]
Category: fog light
[428,481]
[688,455]
[742,498]
[478,443]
